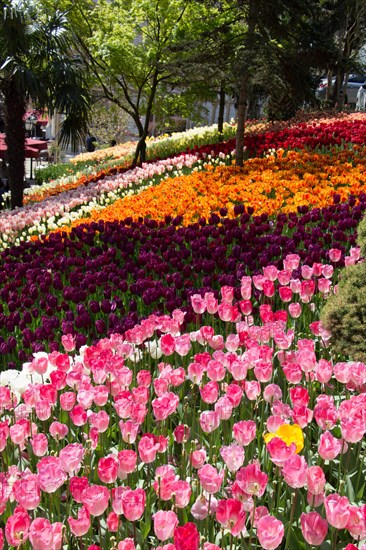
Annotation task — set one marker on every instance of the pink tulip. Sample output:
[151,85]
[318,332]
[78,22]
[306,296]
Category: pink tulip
[127,460]
[314,528]
[165,405]
[164,482]
[209,392]
[315,480]
[279,451]
[167,344]
[209,421]
[198,458]
[335,255]
[17,528]
[224,407]
[58,430]
[164,524]
[67,400]
[252,480]
[78,415]
[337,510]
[299,396]
[252,389]
[50,474]
[77,486]
[210,546]
[99,420]
[126,544]
[68,342]
[26,491]
[216,371]
[108,468]
[270,532]
[129,430]
[272,392]
[211,302]
[353,429]
[210,478]
[294,471]
[198,304]
[244,432]
[181,492]
[181,433]
[203,506]
[39,444]
[329,446]
[235,393]
[148,447]
[233,456]
[96,499]
[144,378]
[44,535]
[80,526]
[294,310]
[18,434]
[356,523]
[259,512]
[231,515]
[133,503]
[315,500]
[285,294]
[71,458]
[302,415]
[43,410]
[292,372]
[238,369]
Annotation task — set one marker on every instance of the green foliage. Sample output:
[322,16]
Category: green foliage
[107,122]
[56,171]
[344,314]
[361,236]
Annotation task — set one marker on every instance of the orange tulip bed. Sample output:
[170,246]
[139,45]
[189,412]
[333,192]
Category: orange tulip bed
[270,185]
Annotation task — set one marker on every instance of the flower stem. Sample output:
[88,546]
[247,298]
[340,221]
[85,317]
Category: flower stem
[289,527]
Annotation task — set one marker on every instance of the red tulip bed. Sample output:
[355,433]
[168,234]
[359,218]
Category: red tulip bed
[172,387]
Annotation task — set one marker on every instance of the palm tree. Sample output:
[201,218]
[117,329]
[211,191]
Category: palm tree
[38,62]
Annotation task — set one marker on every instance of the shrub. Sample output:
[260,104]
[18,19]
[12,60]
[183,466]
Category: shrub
[344,314]
[361,236]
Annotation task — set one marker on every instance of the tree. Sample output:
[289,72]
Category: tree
[38,62]
[127,51]
[349,17]
[144,54]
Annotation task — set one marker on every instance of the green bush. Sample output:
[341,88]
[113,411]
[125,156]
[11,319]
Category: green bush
[344,313]
[52,172]
[55,171]
[361,236]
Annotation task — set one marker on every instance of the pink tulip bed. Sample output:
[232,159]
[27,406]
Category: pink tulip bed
[172,388]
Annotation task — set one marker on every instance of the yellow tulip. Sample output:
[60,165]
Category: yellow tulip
[289,434]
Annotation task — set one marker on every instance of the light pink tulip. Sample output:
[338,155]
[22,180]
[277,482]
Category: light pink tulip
[270,532]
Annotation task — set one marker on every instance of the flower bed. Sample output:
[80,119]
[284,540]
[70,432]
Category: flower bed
[241,433]
[101,278]
[178,391]
[279,183]
[318,131]
[40,218]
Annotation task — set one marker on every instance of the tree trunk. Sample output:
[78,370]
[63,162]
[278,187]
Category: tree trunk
[242,107]
[220,119]
[244,84]
[14,108]
[244,81]
[140,152]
